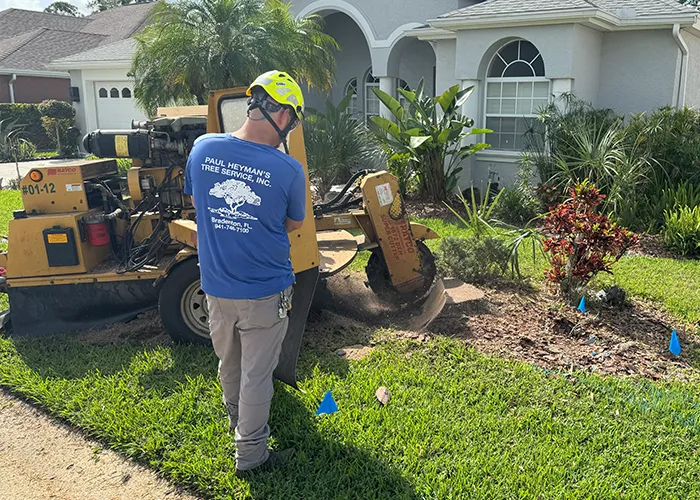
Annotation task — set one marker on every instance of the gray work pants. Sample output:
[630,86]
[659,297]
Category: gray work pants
[247,337]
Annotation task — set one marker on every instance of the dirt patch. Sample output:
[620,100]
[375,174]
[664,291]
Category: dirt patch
[651,245]
[531,325]
[40,459]
[354,352]
[147,328]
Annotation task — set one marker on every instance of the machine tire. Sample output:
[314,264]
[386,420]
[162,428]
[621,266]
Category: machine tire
[182,285]
[379,280]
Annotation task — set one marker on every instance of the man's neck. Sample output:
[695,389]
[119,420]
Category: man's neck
[254,134]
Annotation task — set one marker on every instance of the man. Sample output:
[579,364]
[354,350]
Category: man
[248,195]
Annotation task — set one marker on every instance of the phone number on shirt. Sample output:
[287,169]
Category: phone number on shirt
[230,226]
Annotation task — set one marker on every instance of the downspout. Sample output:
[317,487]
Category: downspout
[683,72]
[12,87]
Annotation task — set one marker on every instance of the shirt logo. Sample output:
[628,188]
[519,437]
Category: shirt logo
[236,194]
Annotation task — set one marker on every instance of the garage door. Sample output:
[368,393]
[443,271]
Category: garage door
[115,105]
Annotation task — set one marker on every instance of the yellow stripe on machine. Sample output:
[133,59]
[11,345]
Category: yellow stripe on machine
[121,146]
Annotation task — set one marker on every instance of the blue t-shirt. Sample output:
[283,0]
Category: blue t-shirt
[243,192]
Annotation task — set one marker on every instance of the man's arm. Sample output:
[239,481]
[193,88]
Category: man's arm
[293,225]
[296,209]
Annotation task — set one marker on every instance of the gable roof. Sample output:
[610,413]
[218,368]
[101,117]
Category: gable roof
[117,51]
[30,40]
[16,21]
[618,12]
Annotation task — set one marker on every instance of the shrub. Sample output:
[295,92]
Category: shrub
[27,115]
[13,146]
[432,131]
[682,231]
[337,145]
[57,119]
[473,259]
[399,164]
[518,204]
[582,242]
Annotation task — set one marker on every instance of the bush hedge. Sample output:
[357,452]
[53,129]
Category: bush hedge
[28,115]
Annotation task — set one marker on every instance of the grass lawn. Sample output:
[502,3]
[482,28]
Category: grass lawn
[458,425]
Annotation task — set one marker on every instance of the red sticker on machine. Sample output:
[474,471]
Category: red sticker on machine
[62,170]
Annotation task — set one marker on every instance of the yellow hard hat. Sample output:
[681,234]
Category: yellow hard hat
[282,89]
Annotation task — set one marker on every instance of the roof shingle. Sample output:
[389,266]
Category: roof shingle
[640,8]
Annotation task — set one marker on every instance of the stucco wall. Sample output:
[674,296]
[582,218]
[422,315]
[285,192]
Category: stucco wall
[417,61]
[445,53]
[31,89]
[352,61]
[475,48]
[638,70]
[587,49]
[692,90]
[382,16]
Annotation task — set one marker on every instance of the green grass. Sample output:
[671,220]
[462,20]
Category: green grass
[458,425]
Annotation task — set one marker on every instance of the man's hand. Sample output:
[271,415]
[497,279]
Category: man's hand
[293,225]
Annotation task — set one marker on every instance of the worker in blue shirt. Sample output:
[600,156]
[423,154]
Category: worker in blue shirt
[248,195]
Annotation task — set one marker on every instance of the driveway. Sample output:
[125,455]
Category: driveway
[9,171]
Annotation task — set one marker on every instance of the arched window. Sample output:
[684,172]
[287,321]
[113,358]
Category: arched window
[114,92]
[372,102]
[103,92]
[351,88]
[516,88]
[126,92]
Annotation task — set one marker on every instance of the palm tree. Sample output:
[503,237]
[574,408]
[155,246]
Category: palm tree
[194,46]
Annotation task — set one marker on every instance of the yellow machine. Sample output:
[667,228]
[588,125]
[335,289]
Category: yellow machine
[83,253]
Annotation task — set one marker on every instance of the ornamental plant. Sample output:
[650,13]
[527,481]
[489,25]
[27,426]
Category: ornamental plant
[582,242]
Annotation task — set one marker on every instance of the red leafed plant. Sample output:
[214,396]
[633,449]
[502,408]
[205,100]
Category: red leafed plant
[582,242]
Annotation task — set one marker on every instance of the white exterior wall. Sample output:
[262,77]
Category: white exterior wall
[638,70]
[381,17]
[445,55]
[588,46]
[692,89]
[417,61]
[86,110]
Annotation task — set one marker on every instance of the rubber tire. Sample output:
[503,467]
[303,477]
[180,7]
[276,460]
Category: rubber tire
[171,291]
[379,280]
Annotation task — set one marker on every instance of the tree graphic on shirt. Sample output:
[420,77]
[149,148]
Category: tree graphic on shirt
[236,194]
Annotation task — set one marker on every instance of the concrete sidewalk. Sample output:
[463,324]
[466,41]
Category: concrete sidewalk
[9,171]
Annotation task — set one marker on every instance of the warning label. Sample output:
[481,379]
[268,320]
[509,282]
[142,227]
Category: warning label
[74,187]
[384,194]
[57,238]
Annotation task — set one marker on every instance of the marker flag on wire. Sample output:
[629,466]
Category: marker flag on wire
[328,405]
[674,346]
[582,305]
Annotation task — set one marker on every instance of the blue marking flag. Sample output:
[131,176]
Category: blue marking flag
[674,346]
[582,305]
[328,405]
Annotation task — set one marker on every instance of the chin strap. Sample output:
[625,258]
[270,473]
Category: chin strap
[257,103]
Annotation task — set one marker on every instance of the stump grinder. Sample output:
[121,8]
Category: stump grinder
[94,246]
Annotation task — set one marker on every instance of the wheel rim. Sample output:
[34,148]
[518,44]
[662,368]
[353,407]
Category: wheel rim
[194,309]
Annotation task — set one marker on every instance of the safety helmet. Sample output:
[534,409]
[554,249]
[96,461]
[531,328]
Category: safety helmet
[282,89]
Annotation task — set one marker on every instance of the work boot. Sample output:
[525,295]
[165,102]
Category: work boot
[276,460]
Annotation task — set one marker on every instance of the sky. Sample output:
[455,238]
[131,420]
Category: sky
[38,4]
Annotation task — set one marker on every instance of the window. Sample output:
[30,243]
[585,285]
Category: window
[126,93]
[114,92]
[102,92]
[351,88]
[372,102]
[515,89]
[404,102]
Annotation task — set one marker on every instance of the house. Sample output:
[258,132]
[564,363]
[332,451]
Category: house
[30,40]
[627,55]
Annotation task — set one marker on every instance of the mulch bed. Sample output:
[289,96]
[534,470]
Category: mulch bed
[528,325]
